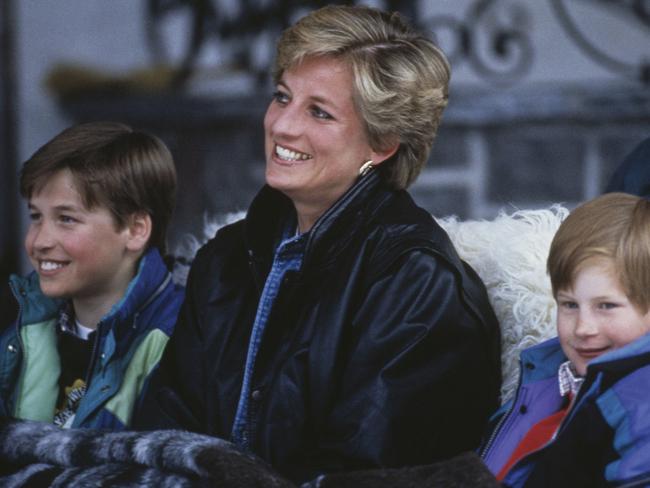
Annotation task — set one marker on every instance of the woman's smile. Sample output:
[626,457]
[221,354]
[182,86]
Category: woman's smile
[286,154]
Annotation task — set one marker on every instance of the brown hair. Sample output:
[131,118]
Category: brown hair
[113,166]
[401,78]
[614,227]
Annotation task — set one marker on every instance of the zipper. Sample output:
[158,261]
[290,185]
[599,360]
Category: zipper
[567,418]
[495,432]
[20,303]
[20,343]
[497,429]
[93,355]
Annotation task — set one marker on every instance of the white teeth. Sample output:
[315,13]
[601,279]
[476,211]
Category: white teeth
[289,155]
[50,266]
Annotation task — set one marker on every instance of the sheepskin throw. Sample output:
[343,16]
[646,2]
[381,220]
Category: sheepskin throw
[509,254]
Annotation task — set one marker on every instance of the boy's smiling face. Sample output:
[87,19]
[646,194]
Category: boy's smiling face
[78,252]
[596,316]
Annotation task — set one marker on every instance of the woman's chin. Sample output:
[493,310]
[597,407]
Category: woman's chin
[281,179]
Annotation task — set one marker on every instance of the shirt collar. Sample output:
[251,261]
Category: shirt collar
[568,380]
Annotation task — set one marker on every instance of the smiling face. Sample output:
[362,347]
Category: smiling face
[315,141]
[595,316]
[78,252]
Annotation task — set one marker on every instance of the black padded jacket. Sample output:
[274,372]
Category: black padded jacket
[381,351]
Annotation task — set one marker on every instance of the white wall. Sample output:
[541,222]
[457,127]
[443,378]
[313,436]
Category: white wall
[98,33]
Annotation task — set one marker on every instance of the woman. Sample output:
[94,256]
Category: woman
[335,327]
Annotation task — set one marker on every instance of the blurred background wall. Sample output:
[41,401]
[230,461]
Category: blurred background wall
[547,96]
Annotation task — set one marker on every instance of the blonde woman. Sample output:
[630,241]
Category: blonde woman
[335,327]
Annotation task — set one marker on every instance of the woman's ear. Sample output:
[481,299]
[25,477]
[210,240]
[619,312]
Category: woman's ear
[381,155]
[138,227]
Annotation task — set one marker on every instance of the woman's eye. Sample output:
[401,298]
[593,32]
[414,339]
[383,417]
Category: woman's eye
[280,97]
[34,216]
[320,113]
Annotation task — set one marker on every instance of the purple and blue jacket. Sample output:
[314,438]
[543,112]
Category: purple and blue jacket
[604,440]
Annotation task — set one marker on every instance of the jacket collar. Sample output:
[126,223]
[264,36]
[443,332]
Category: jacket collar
[542,360]
[152,275]
[33,305]
[150,280]
[625,358]
[548,355]
[271,212]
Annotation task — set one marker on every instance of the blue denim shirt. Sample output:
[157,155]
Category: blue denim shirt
[288,257]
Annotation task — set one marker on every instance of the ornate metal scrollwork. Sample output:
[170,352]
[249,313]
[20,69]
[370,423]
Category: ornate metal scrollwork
[637,11]
[493,36]
[236,28]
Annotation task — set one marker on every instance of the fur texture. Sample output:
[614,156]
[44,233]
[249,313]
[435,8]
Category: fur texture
[509,253]
[38,454]
[188,247]
[463,471]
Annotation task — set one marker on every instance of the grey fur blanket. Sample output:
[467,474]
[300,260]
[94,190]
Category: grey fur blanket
[35,454]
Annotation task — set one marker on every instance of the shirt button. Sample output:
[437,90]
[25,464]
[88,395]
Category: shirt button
[256,395]
[523,409]
[12,348]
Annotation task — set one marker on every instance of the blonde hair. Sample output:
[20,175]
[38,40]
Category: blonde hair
[614,227]
[401,78]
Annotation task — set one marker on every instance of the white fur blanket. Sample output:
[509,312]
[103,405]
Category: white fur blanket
[509,254]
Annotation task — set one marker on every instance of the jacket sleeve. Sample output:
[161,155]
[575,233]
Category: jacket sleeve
[624,408]
[172,401]
[421,377]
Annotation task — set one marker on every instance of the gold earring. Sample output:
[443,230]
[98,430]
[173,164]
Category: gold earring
[365,167]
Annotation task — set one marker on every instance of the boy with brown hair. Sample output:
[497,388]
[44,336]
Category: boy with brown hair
[96,314]
[581,413]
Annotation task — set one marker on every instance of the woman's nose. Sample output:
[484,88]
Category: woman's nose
[285,121]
